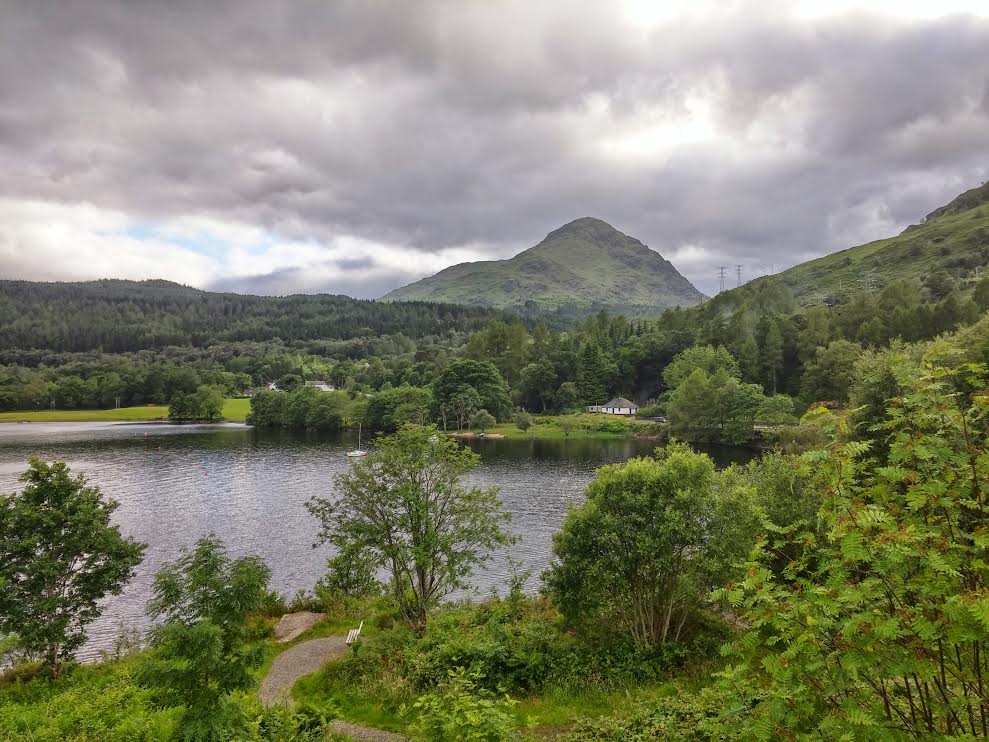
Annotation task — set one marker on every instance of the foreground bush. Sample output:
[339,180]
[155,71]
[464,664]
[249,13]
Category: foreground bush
[881,631]
[653,538]
[200,653]
[518,647]
[685,717]
[100,703]
[105,703]
[461,710]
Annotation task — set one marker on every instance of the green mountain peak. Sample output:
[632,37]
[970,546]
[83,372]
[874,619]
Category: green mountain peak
[583,266]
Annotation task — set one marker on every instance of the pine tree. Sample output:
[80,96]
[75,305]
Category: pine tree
[748,360]
[592,387]
[772,355]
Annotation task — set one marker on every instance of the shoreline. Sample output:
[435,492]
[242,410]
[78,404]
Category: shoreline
[235,410]
[235,413]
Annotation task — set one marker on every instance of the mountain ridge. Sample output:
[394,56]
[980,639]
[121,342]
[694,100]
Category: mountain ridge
[585,263]
[952,239]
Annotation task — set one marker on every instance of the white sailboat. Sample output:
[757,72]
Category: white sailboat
[358,452]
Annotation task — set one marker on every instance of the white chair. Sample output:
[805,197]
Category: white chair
[353,634]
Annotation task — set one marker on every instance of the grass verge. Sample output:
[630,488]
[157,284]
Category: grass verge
[234,410]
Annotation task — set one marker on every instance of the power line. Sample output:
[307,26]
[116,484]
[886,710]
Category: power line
[721,275]
[738,276]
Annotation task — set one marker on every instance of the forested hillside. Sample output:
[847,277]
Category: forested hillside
[119,316]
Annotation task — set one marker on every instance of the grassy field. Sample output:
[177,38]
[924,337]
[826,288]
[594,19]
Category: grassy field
[234,410]
[582,426]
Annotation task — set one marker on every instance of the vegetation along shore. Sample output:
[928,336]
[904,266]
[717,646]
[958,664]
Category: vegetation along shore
[681,602]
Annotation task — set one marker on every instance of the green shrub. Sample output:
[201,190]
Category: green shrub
[258,628]
[274,605]
[684,717]
[515,645]
[100,703]
[605,425]
[461,710]
[654,409]
[278,723]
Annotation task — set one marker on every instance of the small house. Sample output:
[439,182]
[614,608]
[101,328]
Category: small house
[595,408]
[321,386]
[620,406]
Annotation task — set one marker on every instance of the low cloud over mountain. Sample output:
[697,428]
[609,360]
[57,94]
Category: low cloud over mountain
[356,146]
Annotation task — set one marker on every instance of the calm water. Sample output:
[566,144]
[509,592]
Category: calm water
[176,483]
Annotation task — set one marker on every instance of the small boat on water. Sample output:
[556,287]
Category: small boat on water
[357,452]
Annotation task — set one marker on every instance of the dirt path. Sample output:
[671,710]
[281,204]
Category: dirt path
[365,734]
[305,658]
[297,661]
[293,625]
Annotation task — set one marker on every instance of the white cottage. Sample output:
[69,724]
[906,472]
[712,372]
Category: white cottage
[620,406]
[321,386]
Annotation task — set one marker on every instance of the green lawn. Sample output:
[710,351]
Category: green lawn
[234,410]
[584,425]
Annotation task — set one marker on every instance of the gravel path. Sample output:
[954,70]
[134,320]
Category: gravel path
[365,734]
[297,661]
[308,657]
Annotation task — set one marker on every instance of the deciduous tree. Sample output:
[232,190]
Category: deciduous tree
[59,555]
[714,408]
[199,652]
[523,421]
[482,420]
[881,631]
[484,377]
[707,358]
[406,504]
[652,539]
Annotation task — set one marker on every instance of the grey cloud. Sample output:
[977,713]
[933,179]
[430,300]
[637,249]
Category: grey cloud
[434,124]
[360,285]
[354,264]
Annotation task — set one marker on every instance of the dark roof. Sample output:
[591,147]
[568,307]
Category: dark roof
[620,402]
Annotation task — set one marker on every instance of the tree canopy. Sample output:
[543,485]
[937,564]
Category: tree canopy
[199,653]
[406,507]
[59,556]
[483,377]
[648,544]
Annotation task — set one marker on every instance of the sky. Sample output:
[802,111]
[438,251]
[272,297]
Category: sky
[353,146]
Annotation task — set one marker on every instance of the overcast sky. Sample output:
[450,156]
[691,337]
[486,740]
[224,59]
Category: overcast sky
[354,146]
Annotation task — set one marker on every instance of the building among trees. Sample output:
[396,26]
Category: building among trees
[620,406]
[321,386]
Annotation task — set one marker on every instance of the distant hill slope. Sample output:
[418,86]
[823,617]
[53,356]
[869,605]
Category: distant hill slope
[953,238]
[136,315]
[586,264]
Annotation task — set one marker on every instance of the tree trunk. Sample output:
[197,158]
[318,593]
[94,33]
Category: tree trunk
[52,663]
